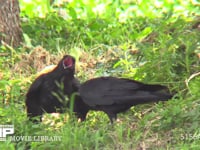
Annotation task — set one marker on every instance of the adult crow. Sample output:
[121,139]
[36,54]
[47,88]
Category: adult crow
[114,95]
[48,92]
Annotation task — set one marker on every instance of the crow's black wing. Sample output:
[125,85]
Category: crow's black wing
[33,98]
[36,86]
[110,90]
[106,90]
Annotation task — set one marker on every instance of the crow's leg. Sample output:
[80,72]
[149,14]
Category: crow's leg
[112,117]
[81,116]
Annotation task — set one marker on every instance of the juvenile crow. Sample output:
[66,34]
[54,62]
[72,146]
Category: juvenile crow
[114,95]
[48,92]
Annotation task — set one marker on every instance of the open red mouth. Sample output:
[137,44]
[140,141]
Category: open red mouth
[68,63]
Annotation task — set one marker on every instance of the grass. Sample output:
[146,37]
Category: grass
[155,45]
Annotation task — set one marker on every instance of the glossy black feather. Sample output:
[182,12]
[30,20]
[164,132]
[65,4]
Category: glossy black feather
[114,95]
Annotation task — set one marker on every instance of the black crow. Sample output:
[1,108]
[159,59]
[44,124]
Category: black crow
[109,94]
[114,95]
[49,91]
